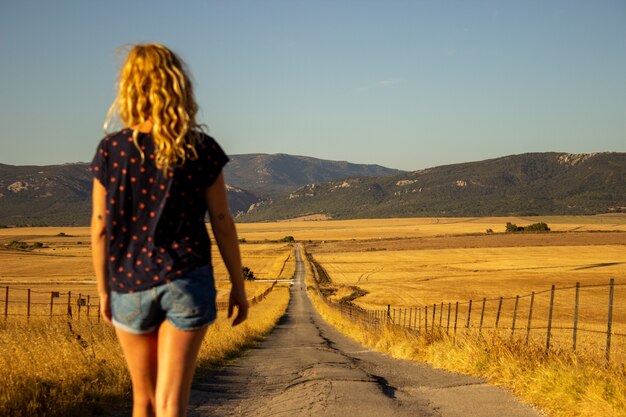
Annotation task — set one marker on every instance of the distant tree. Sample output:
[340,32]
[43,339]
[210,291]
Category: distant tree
[489,231]
[537,227]
[288,239]
[248,275]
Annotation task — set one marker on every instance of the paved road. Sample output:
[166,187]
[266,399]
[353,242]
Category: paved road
[307,368]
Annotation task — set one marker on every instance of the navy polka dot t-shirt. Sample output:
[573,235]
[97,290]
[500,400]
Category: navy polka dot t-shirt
[155,220]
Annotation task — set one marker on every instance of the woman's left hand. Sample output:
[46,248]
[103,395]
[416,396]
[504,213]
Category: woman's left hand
[105,307]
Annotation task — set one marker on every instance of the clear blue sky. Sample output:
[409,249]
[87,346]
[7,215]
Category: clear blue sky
[405,84]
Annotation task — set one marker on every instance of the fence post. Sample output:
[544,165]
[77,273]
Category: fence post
[80,297]
[469,313]
[530,316]
[394,317]
[88,305]
[425,319]
[420,320]
[404,322]
[6,302]
[456,316]
[51,302]
[498,314]
[410,316]
[482,316]
[28,305]
[550,318]
[448,324]
[440,314]
[388,312]
[432,325]
[514,316]
[575,334]
[610,321]
[69,304]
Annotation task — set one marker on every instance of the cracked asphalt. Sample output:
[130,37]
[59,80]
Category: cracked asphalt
[307,368]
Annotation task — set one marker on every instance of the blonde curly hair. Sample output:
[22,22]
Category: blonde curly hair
[154,87]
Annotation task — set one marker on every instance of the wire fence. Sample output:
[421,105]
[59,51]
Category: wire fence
[584,319]
[27,302]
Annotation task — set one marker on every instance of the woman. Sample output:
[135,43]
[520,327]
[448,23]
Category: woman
[153,183]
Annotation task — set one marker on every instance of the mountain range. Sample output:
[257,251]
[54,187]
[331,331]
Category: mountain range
[269,187]
[527,184]
[61,194]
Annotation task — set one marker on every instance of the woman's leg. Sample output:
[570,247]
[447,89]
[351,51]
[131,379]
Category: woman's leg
[140,352]
[177,354]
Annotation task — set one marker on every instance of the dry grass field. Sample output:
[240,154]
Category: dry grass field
[64,265]
[416,227]
[436,269]
[51,369]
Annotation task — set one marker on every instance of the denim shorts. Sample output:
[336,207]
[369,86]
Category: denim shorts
[188,303]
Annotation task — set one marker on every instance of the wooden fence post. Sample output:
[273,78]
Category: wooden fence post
[530,316]
[498,314]
[448,324]
[410,316]
[420,320]
[433,319]
[440,314]
[69,304]
[482,316]
[425,319]
[6,302]
[610,320]
[80,297]
[576,302]
[388,312]
[404,322]
[514,316]
[51,302]
[456,316]
[88,305]
[550,319]
[28,305]
[469,313]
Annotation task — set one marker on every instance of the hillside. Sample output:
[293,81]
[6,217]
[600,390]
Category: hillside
[527,184]
[61,194]
[279,174]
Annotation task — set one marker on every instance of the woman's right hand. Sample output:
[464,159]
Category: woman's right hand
[105,307]
[238,299]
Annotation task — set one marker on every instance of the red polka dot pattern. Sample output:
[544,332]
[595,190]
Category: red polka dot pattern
[155,220]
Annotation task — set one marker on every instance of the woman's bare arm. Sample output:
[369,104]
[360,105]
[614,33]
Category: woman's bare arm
[99,251]
[225,234]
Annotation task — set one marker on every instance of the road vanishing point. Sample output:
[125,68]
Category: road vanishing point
[305,367]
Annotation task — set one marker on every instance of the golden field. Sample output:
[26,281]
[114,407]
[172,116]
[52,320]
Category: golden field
[453,262]
[64,264]
[51,369]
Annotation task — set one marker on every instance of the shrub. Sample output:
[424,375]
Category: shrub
[248,275]
[535,227]
[489,231]
[288,239]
